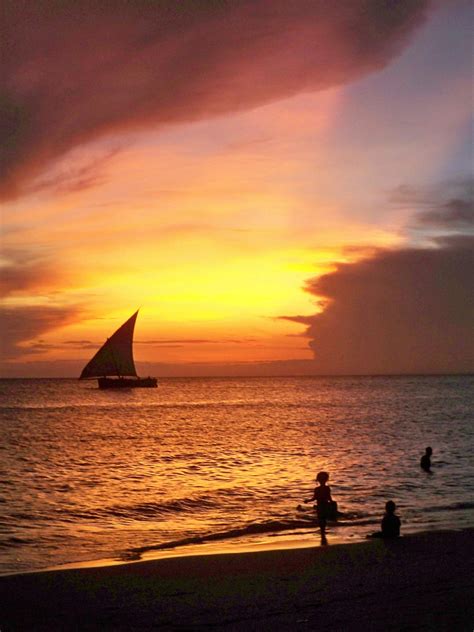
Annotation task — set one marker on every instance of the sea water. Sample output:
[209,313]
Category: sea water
[88,474]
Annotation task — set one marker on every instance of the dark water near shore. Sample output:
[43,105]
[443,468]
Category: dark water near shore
[87,474]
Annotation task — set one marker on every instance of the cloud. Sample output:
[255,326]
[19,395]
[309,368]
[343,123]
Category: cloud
[74,71]
[81,344]
[79,176]
[24,270]
[401,311]
[454,214]
[24,273]
[445,207]
[22,324]
[192,341]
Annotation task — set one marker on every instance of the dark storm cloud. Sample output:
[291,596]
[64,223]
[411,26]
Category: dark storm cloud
[21,324]
[401,311]
[73,71]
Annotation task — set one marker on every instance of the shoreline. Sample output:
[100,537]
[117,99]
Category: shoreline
[250,543]
[254,543]
[421,581]
[229,546]
[193,550]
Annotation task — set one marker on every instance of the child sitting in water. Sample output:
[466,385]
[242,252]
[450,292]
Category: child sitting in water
[390,523]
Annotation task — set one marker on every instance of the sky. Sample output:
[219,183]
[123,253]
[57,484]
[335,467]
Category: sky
[281,188]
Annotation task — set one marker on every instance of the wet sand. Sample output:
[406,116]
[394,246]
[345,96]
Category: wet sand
[420,582]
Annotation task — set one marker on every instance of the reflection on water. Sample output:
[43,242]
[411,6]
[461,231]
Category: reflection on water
[88,473]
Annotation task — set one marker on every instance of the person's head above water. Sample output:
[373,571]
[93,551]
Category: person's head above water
[390,507]
[322,477]
[428,451]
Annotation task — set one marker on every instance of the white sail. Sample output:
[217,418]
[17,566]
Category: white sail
[115,357]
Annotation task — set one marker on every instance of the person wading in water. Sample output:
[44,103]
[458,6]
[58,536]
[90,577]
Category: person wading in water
[425,461]
[324,502]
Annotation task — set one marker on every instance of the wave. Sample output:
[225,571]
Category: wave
[304,522]
[152,510]
[65,407]
[134,406]
[14,542]
[156,510]
[269,527]
[460,506]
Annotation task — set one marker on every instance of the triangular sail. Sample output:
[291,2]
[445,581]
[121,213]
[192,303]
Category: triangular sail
[115,357]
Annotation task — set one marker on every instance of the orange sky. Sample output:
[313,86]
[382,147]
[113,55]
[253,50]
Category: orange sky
[214,227]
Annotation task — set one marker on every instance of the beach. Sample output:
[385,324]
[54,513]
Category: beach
[419,582]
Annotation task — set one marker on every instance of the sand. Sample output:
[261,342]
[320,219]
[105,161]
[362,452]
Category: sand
[420,582]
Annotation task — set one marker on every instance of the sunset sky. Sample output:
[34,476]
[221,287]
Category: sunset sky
[280,187]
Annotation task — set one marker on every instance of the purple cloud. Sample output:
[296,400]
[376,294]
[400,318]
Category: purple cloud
[74,71]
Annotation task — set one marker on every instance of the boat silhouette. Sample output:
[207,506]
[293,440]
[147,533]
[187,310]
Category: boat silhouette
[113,364]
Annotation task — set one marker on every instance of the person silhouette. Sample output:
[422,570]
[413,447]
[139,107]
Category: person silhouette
[425,461]
[324,502]
[390,523]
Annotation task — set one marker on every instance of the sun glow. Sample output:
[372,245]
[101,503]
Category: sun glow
[213,228]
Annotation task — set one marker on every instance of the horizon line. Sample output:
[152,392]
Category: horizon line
[305,375]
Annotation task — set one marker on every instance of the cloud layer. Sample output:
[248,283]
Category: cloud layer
[73,71]
[25,274]
[22,324]
[402,311]
[446,207]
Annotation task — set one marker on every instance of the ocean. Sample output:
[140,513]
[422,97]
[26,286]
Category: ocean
[225,462]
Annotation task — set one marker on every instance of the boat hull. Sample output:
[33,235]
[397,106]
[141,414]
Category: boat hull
[123,382]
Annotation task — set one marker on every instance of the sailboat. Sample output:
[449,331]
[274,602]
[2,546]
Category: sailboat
[115,358]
